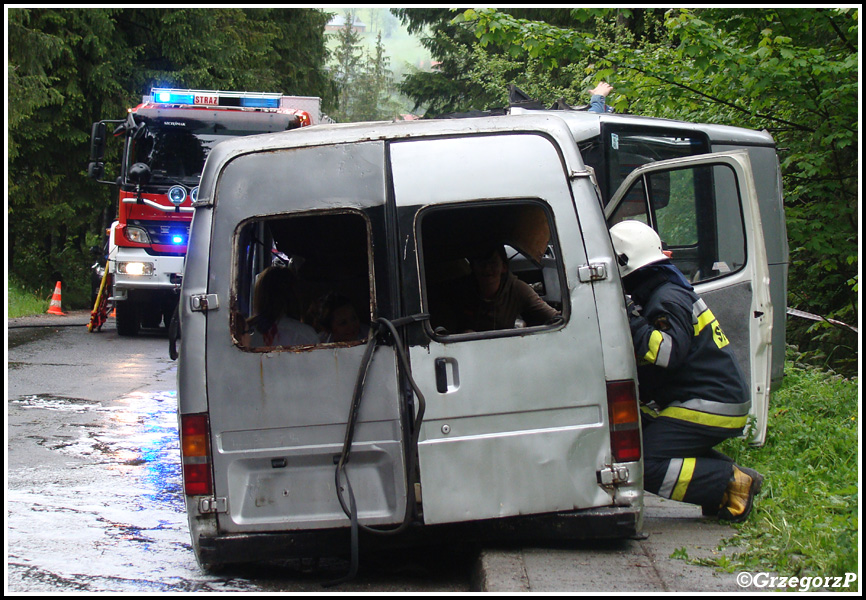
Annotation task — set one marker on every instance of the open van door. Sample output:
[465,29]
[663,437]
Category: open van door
[705,209]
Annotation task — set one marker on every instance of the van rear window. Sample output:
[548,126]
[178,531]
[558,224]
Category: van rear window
[302,281]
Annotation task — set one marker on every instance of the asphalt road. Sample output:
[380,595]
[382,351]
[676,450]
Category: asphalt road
[94,499]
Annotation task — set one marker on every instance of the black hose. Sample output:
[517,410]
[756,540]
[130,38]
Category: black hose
[351,510]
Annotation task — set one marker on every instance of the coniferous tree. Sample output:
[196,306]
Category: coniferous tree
[70,67]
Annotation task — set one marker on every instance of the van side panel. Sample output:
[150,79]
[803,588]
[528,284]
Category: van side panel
[191,380]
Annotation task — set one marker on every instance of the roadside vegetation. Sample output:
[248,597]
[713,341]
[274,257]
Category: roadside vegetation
[805,521]
[23,301]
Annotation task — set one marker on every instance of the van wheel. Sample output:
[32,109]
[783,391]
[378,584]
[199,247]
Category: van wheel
[127,319]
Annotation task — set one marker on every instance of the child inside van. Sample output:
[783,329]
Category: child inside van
[339,322]
[275,304]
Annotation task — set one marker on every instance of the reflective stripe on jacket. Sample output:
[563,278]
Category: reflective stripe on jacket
[685,363]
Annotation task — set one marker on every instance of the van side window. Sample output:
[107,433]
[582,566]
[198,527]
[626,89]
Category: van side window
[490,269]
[302,281]
[697,213]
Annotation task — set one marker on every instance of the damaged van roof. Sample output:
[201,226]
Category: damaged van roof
[347,133]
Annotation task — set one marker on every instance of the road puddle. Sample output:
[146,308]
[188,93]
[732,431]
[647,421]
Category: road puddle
[114,522]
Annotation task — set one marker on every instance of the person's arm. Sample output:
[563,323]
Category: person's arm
[662,338]
[533,309]
[598,102]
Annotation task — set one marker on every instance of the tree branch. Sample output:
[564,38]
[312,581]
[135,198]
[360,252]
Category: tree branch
[720,101]
[839,32]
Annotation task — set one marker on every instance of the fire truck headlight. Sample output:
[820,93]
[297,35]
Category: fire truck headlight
[137,234]
[177,195]
[193,195]
[135,268]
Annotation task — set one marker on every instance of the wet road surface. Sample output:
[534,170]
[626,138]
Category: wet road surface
[94,496]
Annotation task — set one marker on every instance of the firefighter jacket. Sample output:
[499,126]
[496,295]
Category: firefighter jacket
[685,363]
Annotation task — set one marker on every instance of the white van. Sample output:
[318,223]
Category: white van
[421,425]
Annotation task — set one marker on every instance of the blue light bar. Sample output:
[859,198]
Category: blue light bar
[214,98]
[166,97]
[260,102]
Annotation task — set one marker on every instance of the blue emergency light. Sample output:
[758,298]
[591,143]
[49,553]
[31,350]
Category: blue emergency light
[166,97]
[260,102]
[177,239]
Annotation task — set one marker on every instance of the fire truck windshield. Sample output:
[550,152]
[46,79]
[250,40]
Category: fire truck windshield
[175,149]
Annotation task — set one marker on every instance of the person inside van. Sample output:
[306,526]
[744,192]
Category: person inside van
[338,320]
[275,321]
[692,390]
[498,297]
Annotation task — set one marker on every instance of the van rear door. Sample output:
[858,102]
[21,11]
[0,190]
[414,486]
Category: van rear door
[278,415]
[705,209]
[516,419]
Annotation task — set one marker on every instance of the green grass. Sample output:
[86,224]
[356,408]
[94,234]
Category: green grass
[805,521]
[22,302]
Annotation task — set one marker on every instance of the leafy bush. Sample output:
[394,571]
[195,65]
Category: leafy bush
[805,521]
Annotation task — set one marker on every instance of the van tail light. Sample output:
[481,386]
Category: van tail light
[624,421]
[195,453]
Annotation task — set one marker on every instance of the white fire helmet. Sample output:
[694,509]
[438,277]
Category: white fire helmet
[636,245]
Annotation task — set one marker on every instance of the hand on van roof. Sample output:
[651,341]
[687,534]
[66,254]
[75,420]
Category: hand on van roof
[602,89]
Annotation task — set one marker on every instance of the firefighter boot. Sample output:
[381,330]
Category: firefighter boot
[737,502]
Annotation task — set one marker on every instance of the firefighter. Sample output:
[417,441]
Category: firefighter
[693,392]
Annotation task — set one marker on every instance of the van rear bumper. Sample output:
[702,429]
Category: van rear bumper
[612,522]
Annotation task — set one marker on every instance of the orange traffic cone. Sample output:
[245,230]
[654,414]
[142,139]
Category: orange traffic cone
[54,307]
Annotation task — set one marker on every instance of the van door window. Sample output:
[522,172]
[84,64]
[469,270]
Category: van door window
[621,149]
[697,213]
[302,281]
[490,269]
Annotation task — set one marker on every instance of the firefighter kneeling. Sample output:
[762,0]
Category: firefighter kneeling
[693,392]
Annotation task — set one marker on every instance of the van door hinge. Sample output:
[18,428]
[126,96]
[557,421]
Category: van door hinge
[592,272]
[612,475]
[203,302]
[211,505]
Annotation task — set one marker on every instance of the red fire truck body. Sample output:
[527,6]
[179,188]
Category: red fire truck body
[166,141]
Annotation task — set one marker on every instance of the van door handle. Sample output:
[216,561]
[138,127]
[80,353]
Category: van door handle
[441,376]
[445,367]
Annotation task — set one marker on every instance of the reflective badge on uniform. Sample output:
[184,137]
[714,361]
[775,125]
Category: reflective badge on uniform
[719,335]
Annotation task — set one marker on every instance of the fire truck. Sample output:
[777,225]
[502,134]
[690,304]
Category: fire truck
[166,141]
